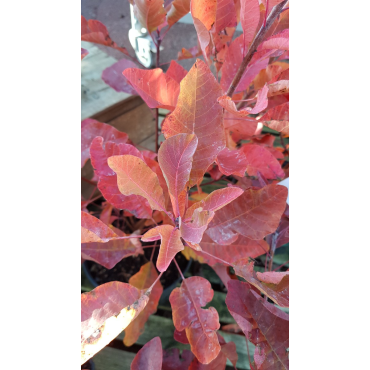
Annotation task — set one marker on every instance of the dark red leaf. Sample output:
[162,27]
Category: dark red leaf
[149,357]
[232,162]
[113,76]
[175,71]
[171,360]
[200,324]
[265,325]
[254,214]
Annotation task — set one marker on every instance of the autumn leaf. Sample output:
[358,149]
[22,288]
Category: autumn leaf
[200,324]
[175,71]
[192,231]
[113,76]
[278,88]
[205,11]
[149,357]
[193,52]
[100,152]
[243,247]
[157,89]
[130,172]
[279,41]
[260,159]
[215,201]
[254,214]
[171,244]
[95,31]
[175,156]
[171,360]
[143,280]
[101,244]
[197,112]
[204,39]
[265,325]
[90,129]
[225,15]
[249,18]
[150,13]
[105,312]
[277,118]
[177,10]
[232,162]
[275,286]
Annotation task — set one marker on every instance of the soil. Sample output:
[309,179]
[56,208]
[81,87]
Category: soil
[131,265]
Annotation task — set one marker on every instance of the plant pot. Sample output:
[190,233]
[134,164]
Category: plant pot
[127,267]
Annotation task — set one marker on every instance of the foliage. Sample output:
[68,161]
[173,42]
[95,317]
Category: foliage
[228,126]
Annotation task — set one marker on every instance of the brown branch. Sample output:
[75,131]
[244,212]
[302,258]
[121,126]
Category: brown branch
[253,47]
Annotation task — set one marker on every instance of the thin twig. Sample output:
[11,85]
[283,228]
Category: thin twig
[178,268]
[277,268]
[217,258]
[159,276]
[253,47]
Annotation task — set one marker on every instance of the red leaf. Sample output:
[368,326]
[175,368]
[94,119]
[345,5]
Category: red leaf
[192,231]
[176,72]
[95,31]
[215,201]
[150,13]
[84,52]
[171,360]
[197,112]
[225,15]
[240,128]
[149,357]
[279,87]
[113,76]
[264,325]
[177,10]
[107,184]
[279,41]
[234,58]
[143,280]
[200,324]
[249,18]
[276,288]
[277,118]
[105,312]
[94,230]
[90,129]
[260,159]
[262,101]
[232,162]
[180,336]
[255,214]
[101,244]
[175,156]
[204,39]
[157,89]
[171,244]
[188,54]
[130,172]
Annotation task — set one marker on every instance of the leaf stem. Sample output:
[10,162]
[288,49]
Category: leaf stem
[253,47]
[217,258]
[178,268]
[277,268]
[151,287]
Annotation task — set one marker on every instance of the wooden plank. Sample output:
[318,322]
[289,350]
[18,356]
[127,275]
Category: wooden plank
[96,95]
[113,359]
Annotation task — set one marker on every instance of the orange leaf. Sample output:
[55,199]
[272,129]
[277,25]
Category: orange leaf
[150,13]
[205,11]
[94,230]
[255,214]
[131,171]
[175,156]
[143,280]
[171,244]
[157,89]
[105,312]
[200,324]
[197,112]
[178,9]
